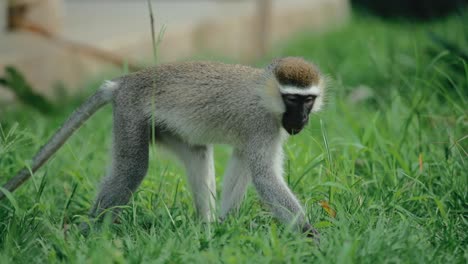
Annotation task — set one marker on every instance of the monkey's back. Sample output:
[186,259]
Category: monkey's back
[208,100]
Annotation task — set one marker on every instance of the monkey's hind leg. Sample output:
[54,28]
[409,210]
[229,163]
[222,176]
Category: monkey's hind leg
[129,161]
[198,161]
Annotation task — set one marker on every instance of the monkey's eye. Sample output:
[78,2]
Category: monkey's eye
[309,100]
[290,98]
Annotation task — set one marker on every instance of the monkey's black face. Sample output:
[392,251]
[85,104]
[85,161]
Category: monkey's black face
[298,108]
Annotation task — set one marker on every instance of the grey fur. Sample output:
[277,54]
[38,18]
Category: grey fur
[194,105]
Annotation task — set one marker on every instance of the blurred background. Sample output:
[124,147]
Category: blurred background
[64,42]
[61,44]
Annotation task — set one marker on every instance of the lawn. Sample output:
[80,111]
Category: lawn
[388,155]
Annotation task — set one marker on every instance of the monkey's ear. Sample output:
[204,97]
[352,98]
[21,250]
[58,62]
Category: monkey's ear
[321,100]
[270,96]
[276,60]
[273,63]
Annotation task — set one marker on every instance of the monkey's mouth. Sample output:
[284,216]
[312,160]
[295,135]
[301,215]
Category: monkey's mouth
[293,124]
[293,128]
[293,131]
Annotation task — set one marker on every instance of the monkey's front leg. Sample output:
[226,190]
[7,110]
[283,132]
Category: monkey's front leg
[266,167]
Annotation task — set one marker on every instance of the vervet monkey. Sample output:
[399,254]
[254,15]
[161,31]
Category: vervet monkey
[193,105]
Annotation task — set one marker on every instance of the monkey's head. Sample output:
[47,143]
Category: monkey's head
[301,87]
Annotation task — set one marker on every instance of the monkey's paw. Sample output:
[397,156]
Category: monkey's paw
[311,232]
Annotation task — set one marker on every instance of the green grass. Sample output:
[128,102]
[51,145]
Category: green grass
[392,165]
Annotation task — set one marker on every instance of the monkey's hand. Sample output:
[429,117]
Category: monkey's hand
[311,232]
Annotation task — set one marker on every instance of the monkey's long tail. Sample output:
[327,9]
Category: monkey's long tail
[78,117]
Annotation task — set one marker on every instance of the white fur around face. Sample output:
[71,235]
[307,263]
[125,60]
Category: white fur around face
[312,90]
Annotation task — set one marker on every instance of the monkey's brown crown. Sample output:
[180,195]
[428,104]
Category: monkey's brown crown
[296,72]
